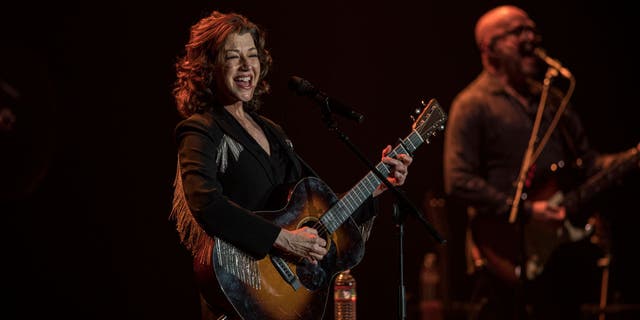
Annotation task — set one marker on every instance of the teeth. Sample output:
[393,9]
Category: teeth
[243,78]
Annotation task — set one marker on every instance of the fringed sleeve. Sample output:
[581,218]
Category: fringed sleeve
[192,236]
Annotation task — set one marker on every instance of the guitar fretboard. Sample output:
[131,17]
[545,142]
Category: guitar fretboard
[603,179]
[353,199]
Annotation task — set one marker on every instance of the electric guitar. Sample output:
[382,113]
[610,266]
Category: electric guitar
[540,240]
[283,287]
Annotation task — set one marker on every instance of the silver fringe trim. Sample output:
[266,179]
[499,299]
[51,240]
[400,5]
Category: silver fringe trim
[236,262]
[192,236]
[226,146]
[365,228]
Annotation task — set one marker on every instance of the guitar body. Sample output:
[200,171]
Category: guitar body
[275,298]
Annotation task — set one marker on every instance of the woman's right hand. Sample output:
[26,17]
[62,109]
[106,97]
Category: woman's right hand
[304,242]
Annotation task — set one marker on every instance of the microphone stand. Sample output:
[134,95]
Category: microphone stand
[528,155]
[398,218]
[553,70]
[401,202]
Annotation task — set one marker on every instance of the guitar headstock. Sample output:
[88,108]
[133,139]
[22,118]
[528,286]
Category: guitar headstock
[430,120]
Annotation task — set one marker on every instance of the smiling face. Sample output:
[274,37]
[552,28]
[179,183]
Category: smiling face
[237,69]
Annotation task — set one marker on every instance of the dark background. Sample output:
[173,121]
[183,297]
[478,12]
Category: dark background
[87,171]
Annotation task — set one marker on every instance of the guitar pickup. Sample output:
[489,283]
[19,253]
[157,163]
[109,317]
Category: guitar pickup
[285,272]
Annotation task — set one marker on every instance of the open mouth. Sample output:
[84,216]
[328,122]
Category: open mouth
[243,81]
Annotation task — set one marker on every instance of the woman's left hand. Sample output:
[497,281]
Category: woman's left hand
[398,169]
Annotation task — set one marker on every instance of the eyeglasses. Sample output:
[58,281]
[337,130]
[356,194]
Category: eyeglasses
[517,32]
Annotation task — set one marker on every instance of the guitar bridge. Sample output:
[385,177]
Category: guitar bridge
[285,272]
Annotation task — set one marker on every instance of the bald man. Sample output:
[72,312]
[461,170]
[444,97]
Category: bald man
[504,36]
[489,128]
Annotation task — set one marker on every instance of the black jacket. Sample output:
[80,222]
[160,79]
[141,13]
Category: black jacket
[222,191]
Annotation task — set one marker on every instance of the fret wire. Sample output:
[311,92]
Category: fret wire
[326,219]
[352,203]
[332,223]
[366,191]
[356,200]
[348,202]
[367,183]
[412,144]
[366,180]
[338,216]
[342,213]
[419,136]
[341,209]
[361,194]
[411,141]
[402,149]
[417,143]
[356,193]
[383,169]
[375,182]
[350,207]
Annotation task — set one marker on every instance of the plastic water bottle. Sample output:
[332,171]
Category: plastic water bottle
[344,296]
[430,299]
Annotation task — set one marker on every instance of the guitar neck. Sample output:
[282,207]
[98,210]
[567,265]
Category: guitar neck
[355,197]
[603,179]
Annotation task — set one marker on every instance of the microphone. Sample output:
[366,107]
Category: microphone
[305,88]
[553,63]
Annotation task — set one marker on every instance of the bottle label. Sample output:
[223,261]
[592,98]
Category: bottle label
[344,293]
